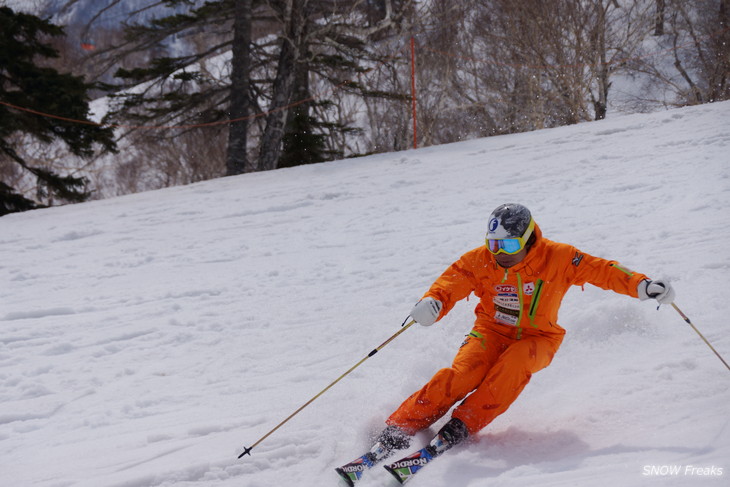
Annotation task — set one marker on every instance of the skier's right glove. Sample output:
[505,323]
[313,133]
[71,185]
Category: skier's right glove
[426,311]
[659,289]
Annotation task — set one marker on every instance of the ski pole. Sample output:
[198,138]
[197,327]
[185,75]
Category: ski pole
[404,327]
[700,334]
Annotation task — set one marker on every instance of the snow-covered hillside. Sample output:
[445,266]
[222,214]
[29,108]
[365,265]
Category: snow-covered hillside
[145,340]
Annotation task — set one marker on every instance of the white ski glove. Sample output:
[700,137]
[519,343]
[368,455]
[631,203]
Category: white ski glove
[659,289]
[426,311]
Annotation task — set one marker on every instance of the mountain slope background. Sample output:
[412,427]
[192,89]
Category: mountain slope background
[146,339]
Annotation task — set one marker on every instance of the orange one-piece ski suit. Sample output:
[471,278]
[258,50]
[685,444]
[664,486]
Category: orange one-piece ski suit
[516,332]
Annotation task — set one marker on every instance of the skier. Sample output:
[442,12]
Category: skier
[520,278]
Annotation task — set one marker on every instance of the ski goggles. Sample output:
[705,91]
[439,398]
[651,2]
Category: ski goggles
[510,245]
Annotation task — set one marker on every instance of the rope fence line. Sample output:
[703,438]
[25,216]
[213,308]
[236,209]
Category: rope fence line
[351,81]
[180,126]
[206,124]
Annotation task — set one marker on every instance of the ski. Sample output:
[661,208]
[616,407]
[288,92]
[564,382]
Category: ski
[452,433]
[392,438]
[352,472]
[405,468]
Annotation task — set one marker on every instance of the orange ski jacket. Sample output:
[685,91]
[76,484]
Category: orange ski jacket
[525,298]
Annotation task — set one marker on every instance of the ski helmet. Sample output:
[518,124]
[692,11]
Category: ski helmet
[510,220]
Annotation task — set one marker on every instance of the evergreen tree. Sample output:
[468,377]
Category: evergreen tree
[304,140]
[323,38]
[180,90]
[26,84]
[301,143]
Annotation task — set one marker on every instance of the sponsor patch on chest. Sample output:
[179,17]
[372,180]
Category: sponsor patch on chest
[506,304]
[528,288]
[507,301]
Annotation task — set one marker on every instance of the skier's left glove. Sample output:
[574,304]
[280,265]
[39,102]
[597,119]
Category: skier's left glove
[426,311]
[659,289]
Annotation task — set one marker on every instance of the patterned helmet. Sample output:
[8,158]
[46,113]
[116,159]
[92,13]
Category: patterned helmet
[510,220]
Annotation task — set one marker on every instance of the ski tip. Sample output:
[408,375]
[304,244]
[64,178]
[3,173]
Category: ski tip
[344,476]
[405,468]
[394,473]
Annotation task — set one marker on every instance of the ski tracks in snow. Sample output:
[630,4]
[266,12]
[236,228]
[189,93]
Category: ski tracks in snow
[145,340]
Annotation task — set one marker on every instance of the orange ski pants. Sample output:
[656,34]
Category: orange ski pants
[493,367]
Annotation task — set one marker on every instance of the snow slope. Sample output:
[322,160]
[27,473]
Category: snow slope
[144,340]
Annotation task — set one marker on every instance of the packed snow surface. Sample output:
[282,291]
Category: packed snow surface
[146,339]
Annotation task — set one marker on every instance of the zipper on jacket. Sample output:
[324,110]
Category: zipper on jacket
[520,299]
[535,302]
